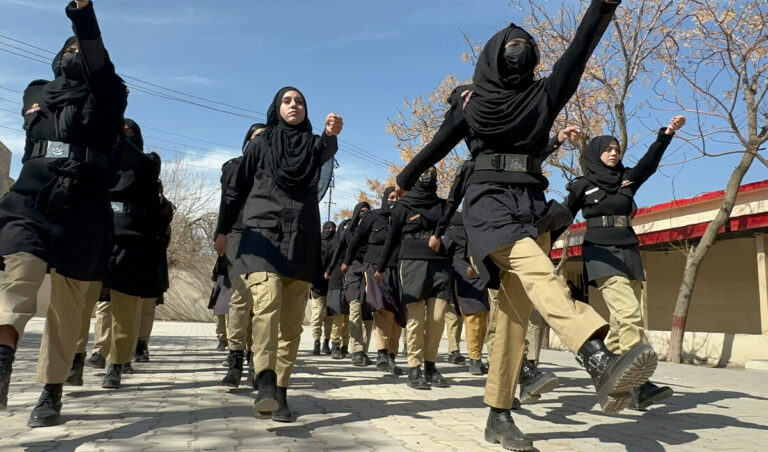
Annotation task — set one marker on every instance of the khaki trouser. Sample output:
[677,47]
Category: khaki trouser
[146,318]
[221,327]
[126,312]
[102,329]
[321,321]
[91,297]
[340,329]
[622,296]
[532,348]
[278,310]
[528,278]
[359,330]
[453,326]
[239,333]
[424,329]
[475,327]
[387,331]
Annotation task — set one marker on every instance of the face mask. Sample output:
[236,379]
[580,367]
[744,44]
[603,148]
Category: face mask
[519,58]
[427,178]
[71,67]
[391,204]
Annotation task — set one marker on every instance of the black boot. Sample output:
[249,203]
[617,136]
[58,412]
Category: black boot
[326,348]
[6,366]
[235,372]
[47,412]
[393,368]
[266,400]
[142,352]
[648,394]
[616,375]
[222,345]
[358,359]
[96,361]
[415,379]
[282,413]
[501,429]
[112,378]
[475,366]
[316,348]
[456,357]
[433,376]
[345,351]
[382,360]
[75,377]
[128,369]
[533,383]
[336,351]
[366,360]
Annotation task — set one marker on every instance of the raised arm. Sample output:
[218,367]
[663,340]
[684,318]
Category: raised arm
[98,68]
[327,144]
[567,71]
[649,163]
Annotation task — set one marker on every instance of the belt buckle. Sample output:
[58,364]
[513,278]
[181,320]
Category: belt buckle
[117,206]
[620,221]
[57,149]
[517,163]
[497,165]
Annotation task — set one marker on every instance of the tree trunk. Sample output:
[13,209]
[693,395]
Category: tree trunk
[696,256]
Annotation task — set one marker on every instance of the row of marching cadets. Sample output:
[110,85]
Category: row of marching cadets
[87,209]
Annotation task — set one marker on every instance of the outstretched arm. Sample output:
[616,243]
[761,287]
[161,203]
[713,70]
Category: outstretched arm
[648,165]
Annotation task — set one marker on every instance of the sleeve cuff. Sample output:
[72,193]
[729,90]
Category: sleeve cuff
[664,137]
[83,21]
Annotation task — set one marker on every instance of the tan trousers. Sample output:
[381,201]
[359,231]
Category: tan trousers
[359,329]
[532,348]
[221,327]
[340,329]
[102,329]
[453,326]
[475,328]
[146,318]
[622,296]
[278,311]
[321,321]
[528,280]
[424,329]
[239,333]
[126,312]
[91,297]
[387,331]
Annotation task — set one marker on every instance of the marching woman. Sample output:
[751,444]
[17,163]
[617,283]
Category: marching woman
[336,302]
[57,216]
[279,252]
[382,298]
[425,278]
[321,320]
[605,195]
[506,115]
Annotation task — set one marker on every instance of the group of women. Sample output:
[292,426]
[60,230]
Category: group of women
[395,267]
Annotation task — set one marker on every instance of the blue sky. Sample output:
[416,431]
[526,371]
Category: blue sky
[360,59]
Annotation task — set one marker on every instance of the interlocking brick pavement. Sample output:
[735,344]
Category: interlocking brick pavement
[174,402]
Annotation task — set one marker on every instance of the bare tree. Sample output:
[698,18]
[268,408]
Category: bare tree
[722,57]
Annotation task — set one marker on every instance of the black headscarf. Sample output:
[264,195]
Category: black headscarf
[68,88]
[137,140]
[289,155]
[500,102]
[357,215]
[385,210]
[597,172]
[423,198]
[253,128]
[329,229]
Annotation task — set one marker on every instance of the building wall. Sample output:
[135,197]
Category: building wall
[725,298]
[5,168]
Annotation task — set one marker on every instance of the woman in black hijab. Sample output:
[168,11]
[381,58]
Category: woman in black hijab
[424,277]
[611,254]
[336,302]
[276,186]
[57,215]
[239,330]
[382,298]
[321,321]
[505,115]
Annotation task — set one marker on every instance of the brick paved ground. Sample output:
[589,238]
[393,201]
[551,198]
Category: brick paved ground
[174,402]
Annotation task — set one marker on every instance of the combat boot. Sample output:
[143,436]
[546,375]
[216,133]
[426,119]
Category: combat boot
[382,361]
[222,345]
[533,383]
[282,413]
[476,366]
[393,368]
[96,361]
[415,379]
[266,400]
[501,429]
[235,372]
[112,379]
[433,376]
[358,359]
[6,366]
[75,377]
[456,357]
[316,348]
[336,351]
[648,394]
[47,412]
[344,351]
[616,375]
[326,348]
[142,352]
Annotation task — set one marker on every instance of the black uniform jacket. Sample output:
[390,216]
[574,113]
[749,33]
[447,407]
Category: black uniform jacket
[371,233]
[412,231]
[228,173]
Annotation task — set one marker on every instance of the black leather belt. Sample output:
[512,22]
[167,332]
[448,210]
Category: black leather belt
[417,235]
[58,150]
[520,163]
[610,221]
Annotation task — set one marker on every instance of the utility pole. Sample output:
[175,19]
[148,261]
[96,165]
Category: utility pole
[330,198]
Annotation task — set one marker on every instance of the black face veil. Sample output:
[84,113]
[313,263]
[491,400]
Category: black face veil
[69,87]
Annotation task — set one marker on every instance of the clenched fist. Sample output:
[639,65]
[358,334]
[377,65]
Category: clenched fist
[333,124]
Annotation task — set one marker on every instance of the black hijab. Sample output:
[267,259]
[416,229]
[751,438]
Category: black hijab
[500,99]
[385,210]
[253,128]
[289,154]
[357,215]
[423,198]
[329,229]
[603,176]
[69,87]
[137,140]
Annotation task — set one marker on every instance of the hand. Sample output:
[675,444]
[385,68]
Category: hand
[434,243]
[333,124]
[82,3]
[326,275]
[675,124]
[471,272]
[571,133]
[398,191]
[221,244]
[378,277]
[344,268]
